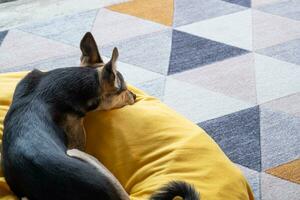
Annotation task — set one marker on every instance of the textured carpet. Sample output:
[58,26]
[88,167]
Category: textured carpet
[231,66]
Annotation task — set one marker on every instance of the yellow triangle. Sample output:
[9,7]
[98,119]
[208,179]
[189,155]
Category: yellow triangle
[289,171]
[160,11]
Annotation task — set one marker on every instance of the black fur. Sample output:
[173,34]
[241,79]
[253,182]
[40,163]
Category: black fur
[34,156]
[176,188]
[34,147]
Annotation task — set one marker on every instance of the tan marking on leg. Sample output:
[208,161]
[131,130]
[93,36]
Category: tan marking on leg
[74,129]
[102,169]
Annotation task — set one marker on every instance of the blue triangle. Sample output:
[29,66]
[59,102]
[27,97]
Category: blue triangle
[190,51]
[68,29]
[238,134]
[245,3]
[2,36]
[288,51]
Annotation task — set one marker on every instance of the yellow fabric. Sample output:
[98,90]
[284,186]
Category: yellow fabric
[147,145]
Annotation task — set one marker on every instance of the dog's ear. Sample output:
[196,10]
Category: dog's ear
[110,68]
[90,54]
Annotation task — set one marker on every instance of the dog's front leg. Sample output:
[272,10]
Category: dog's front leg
[99,166]
[73,127]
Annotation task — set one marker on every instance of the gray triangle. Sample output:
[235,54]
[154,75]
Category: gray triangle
[288,51]
[189,51]
[253,178]
[47,64]
[279,137]
[238,134]
[288,8]
[68,29]
[273,188]
[2,36]
[154,87]
[186,12]
[246,3]
[4,1]
[150,51]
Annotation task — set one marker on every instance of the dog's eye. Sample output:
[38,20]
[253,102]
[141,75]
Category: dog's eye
[93,104]
[119,91]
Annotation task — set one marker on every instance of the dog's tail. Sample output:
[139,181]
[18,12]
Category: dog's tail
[176,189]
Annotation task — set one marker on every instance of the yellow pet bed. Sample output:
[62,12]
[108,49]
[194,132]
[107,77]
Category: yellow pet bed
[147,145]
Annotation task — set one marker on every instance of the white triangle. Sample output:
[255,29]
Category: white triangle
[233,29]
[199,104]
[67,29]
[270,30]
[273,188]
[20,48]
[275,78]
[112,26]
[252,177]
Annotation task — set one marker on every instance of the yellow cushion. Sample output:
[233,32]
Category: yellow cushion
[147,145]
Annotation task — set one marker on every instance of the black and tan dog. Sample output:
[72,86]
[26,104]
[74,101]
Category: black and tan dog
[44,140]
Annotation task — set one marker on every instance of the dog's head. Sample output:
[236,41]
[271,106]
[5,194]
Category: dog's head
[113,90]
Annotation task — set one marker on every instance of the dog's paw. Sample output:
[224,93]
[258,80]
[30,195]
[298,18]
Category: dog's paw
[74,152]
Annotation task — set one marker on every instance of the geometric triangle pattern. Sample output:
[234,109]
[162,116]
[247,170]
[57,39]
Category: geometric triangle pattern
[157,11]
[108,24]
[2,35]
[279,138]
[156,47]
[254,180]
[234,77]
[288,51]
[225,28]
[187,12]
[246,3]
[259,3]
[275,188]
[154,87]
[230,66]
[287,104]
[46,64]
[189,51]
[270,30]
[289,9]
[289,171]
[68,29]
[16,43]
[275,78]
[203,104]
[238,134]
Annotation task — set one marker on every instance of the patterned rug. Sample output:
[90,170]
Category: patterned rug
[231,66]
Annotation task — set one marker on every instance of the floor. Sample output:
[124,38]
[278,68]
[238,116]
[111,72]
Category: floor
[231,66]
[16,12]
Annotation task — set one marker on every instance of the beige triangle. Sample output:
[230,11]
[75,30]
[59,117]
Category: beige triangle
[155,10]
[234,77]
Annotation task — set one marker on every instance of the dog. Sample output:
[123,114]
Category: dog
[43,147]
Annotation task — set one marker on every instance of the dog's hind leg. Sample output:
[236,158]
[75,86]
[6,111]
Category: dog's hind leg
[93,161]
